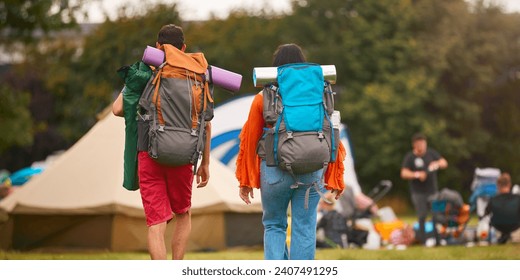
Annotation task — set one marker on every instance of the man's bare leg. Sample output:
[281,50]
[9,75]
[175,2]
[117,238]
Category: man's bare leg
[156,245]
[181,234]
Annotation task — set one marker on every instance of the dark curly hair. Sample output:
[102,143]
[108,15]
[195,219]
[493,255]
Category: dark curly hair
[171,34]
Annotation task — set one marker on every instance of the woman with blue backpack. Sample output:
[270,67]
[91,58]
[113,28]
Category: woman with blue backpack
[281,182]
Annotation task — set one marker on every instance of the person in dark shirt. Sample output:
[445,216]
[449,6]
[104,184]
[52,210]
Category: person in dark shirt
[504,209]
[420,168]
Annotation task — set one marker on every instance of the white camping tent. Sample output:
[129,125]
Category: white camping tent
[229,119]
[79,203]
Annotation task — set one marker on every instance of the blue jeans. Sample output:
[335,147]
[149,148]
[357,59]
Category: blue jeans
[276,194]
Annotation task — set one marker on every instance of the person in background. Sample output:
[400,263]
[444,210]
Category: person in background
[420,168]
[504,209]
[353,199]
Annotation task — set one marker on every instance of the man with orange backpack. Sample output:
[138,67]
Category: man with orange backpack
[173,133]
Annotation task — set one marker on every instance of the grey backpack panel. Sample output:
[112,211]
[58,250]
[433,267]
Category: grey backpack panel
[142,134]
[289,147]
[292,145]
[175,143]
[173,146]
[143,117]
[146,98]
[176,101]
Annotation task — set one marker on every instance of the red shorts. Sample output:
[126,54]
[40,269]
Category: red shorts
[164,189]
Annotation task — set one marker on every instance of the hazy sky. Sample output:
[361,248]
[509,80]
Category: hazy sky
[189,9]
[202,9]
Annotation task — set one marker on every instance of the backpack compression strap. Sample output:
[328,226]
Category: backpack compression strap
[207,95]
[156,99]
[202,128]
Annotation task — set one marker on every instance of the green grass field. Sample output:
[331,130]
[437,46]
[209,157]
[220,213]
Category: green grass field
[510,251]
[495,252]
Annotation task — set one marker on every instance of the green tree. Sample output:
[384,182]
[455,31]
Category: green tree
[380,91]
[471,52]
[85,82]
[439,67]
[15,120]
[442,67]
[20,19]
[238,43]
[23,27]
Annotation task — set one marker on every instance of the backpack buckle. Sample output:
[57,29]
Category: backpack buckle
[320,135]
[161,128]
[193,132]
[289,135]
[198,84]
[145,117]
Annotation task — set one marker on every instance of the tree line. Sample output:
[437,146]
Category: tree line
[442,67]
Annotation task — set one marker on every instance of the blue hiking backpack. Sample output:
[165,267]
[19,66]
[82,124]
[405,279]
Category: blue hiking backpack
[301,137]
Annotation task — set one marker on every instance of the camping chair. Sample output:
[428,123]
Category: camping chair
[451,214]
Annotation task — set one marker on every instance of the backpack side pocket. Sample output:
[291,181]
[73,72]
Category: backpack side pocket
[328,99]
[269,147]
[271,103]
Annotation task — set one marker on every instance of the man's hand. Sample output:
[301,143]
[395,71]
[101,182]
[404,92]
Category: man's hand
[202,175]
[434,166]
[420,175]
[245,193]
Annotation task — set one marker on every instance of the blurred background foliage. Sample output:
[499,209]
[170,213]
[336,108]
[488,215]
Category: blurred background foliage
[443,67]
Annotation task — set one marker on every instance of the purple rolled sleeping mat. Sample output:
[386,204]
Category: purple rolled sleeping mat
[153,56]
[220,77]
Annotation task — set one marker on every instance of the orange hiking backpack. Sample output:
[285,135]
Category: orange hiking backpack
[175,106]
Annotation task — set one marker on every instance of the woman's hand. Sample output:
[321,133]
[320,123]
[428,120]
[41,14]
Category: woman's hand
[245,193]
[337,192]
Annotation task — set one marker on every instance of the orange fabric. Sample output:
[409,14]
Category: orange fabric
[464,212]
[183,65]
[193,62]
[156,99]
[248,161]
[335,170]
[462,219]
[195,104]
[385,228]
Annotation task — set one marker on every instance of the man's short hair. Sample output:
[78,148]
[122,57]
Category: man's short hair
[418,136]
[171,34]
[504,180]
